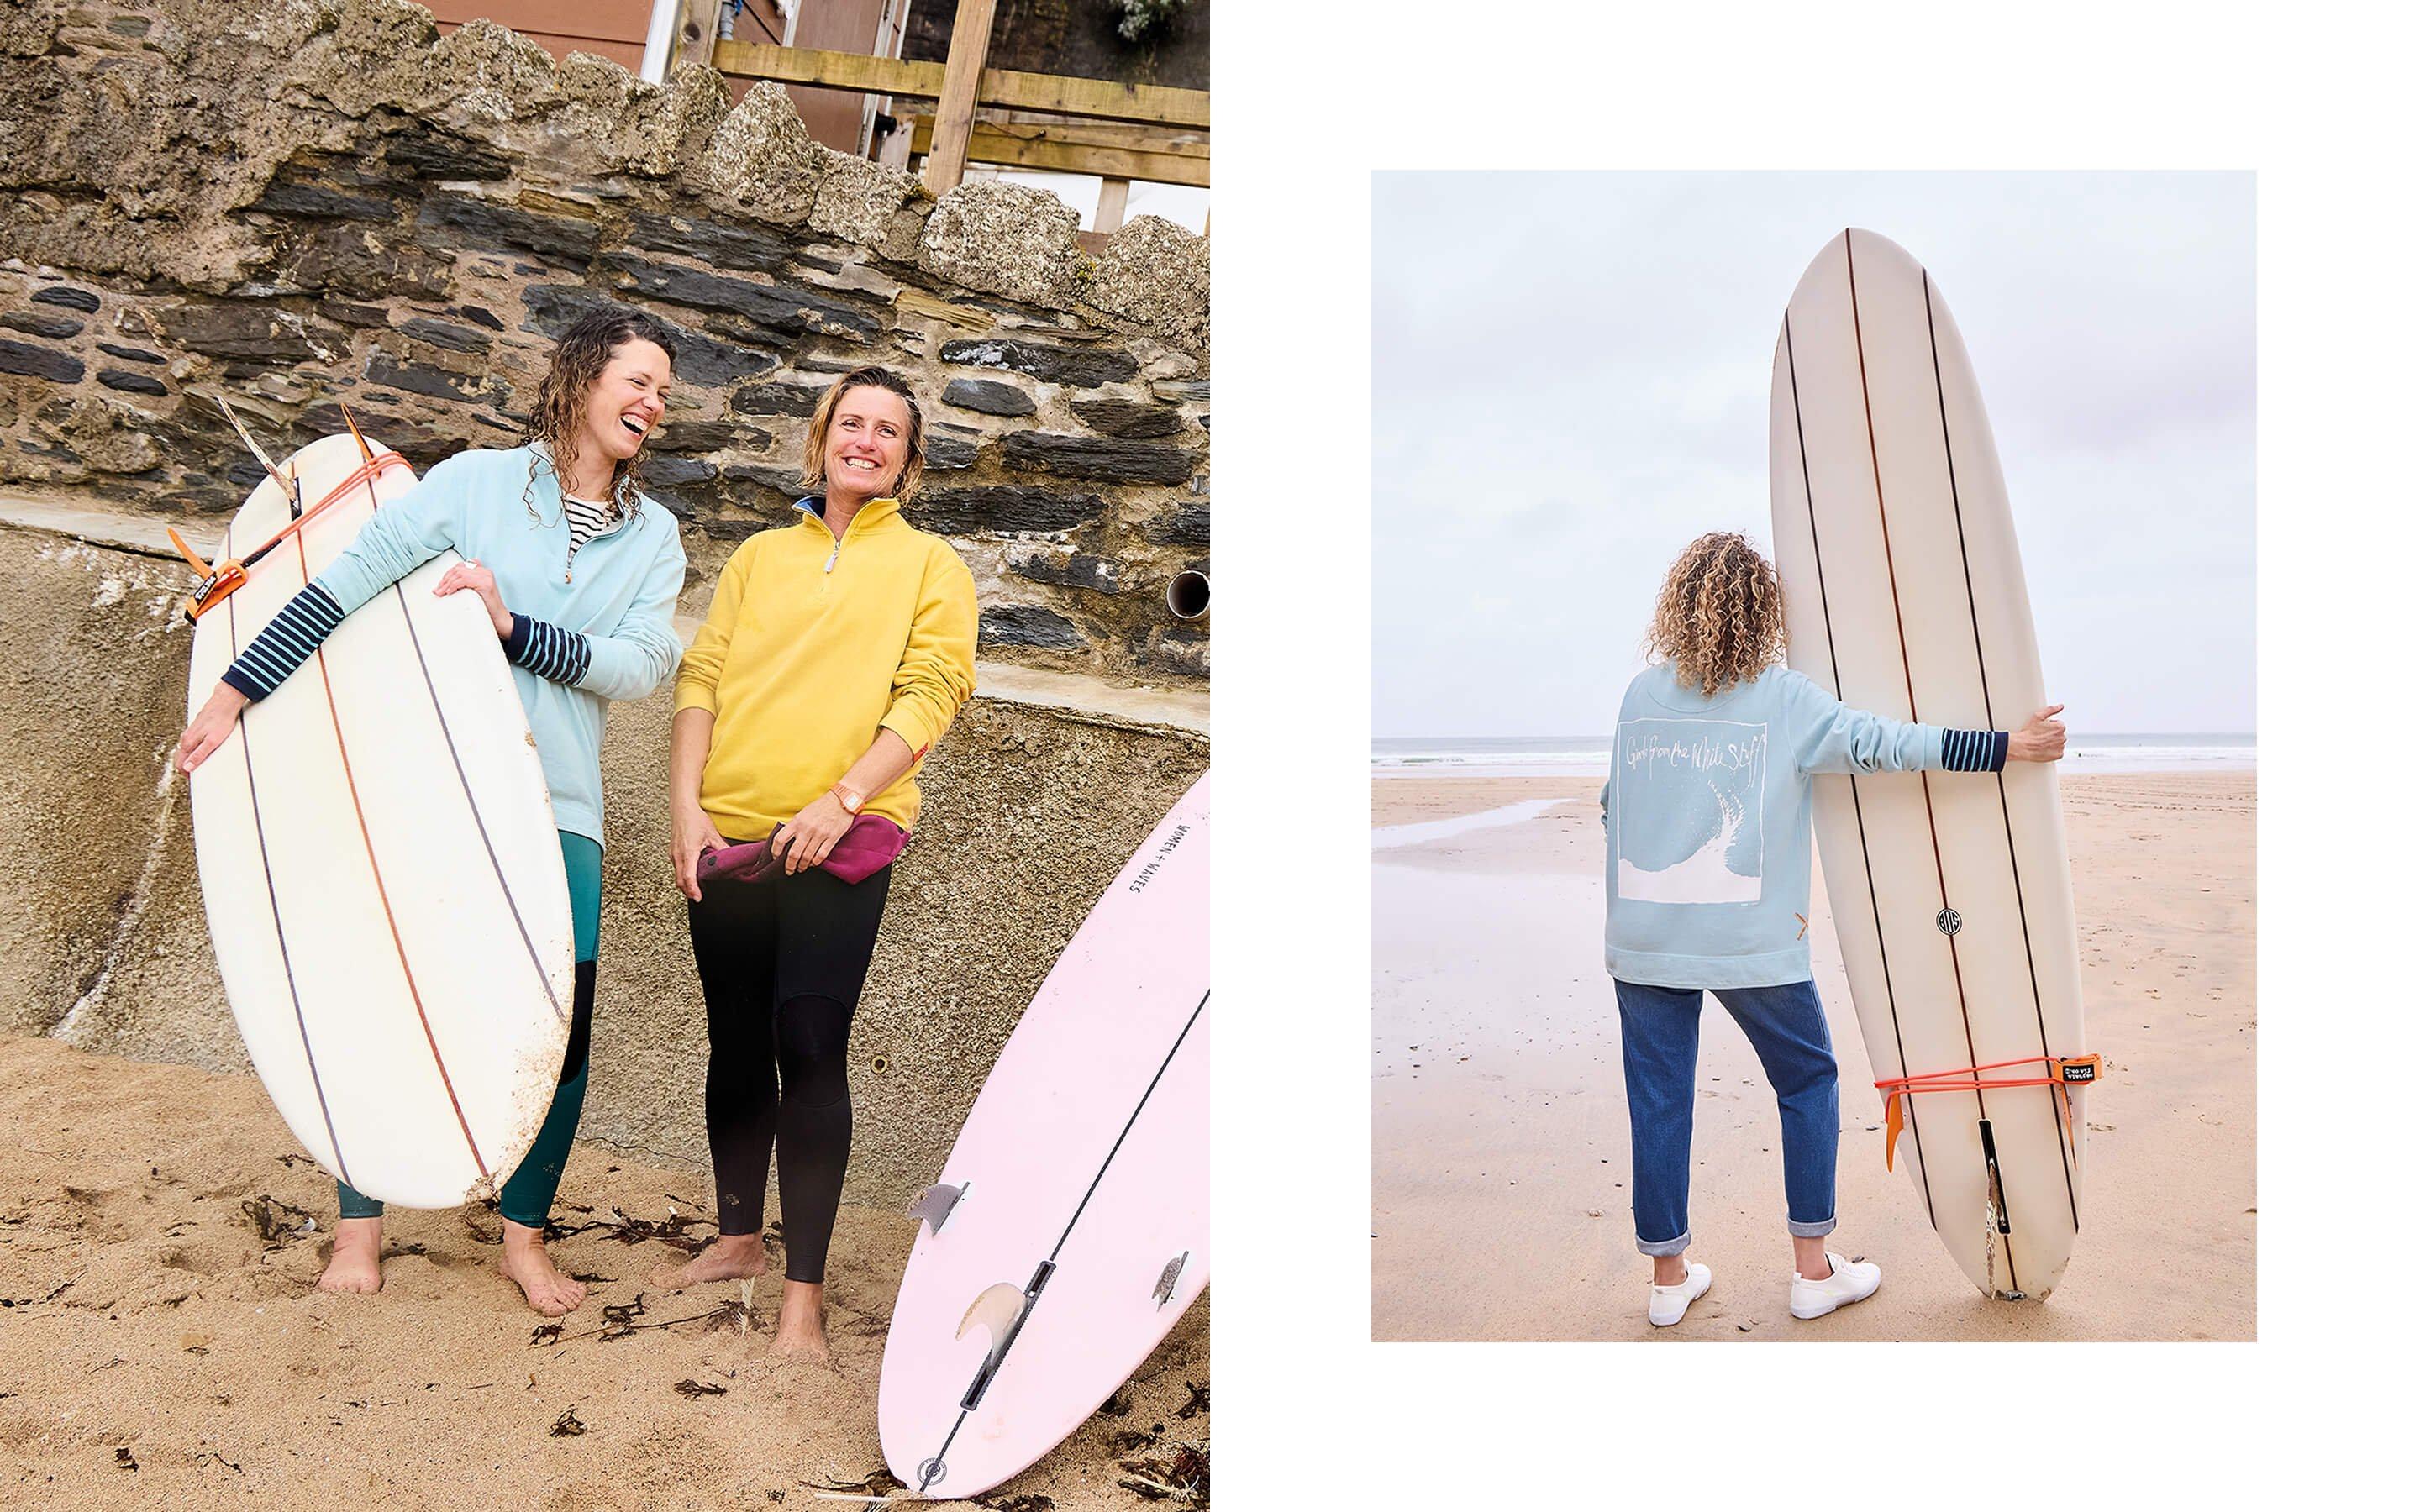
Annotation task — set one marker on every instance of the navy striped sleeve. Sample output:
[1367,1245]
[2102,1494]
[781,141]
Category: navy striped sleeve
[1974,750]
[554,653]
[307,619]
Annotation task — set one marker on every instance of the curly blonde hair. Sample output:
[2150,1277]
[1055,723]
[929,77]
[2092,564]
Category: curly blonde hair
[1719,618]
[911,471]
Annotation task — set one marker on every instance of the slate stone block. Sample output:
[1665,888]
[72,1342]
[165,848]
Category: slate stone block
[435,154]
[1082,367]
[1024,624]
[41,323]
[988,396]
[706,436]
[68,298]
[724,246]
[435,382]
[776,399]
[788,309]
[1128,420]
[1013,508]
[452,337]
[480,222]
[238,332]
[302,201]
[1086,456]
[27,361]
[124,382]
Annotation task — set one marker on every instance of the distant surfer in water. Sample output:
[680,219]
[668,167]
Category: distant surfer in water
[836,651]
[1708,840]
[556,526]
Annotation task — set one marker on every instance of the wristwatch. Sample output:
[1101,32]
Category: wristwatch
[848,800]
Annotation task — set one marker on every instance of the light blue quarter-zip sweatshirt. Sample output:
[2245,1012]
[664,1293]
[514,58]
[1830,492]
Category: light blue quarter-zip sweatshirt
[589,626]
[1709,826]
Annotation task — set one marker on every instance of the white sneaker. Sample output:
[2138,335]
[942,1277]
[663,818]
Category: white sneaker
[1664,1304]
[1849,1281]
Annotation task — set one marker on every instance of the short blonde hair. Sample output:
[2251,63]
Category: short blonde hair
[912,473]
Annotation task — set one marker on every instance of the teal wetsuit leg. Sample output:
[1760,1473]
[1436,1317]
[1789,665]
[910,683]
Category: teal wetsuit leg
[529,1196]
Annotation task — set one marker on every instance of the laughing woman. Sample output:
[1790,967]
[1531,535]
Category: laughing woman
[837,650]
[578,570]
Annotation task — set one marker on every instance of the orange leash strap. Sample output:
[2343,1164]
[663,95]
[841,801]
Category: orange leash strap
[2066,1072]
[225,578]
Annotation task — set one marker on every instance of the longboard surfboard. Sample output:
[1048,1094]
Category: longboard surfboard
[1903,594]
[379,861]
[1070,1226]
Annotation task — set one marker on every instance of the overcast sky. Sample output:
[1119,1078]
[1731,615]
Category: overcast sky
[1570,381]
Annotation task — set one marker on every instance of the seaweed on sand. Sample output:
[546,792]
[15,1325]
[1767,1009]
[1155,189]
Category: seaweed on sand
[275,1222]
[1178,1473]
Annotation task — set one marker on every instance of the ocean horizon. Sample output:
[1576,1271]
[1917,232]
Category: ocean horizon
[1574,755]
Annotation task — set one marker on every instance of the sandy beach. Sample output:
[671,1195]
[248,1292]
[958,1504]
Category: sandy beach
[1500,1140]
[162,1344]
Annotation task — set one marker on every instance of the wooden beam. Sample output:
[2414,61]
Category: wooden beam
[1094,134]
[1024,147]
[954,119]
[1001,89]
[1110,212]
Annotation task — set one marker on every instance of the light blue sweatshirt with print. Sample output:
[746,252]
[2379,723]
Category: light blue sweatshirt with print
[1709,826]
[615,595]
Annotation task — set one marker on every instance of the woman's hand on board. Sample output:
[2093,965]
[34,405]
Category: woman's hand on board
[211,727]
[2041,738]
[693,834]
[477,579]
[807,838]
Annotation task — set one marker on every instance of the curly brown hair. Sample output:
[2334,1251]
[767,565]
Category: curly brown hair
[910,475]
[556,412]
[1719,618]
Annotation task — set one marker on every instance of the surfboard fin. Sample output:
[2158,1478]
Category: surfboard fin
[285,480]
[1165,1288]
[935,1204]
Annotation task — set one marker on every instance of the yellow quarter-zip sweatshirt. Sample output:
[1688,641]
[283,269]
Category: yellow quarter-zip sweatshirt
[811,647]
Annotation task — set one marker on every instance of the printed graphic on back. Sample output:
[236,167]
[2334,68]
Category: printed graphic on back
[1702,838]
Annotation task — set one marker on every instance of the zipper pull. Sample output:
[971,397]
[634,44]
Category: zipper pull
[833,561]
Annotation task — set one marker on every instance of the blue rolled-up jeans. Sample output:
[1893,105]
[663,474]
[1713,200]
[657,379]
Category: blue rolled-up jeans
[1659,1067]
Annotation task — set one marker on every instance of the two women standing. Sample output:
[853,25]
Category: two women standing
[837,651]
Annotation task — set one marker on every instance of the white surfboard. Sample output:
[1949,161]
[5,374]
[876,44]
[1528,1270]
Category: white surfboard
[1070,1229]
[1903,594]
[379,862]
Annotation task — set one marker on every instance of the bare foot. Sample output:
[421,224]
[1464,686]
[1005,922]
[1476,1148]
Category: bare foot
[800,1332]
[353,1261]
[525,1263]
[732,1258]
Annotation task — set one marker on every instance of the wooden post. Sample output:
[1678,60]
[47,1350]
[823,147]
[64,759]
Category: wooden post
[693,38]
[1112,212]
[954,119]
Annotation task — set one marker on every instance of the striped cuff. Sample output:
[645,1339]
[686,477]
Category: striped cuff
[1974,750]
[287,643]
[554,653]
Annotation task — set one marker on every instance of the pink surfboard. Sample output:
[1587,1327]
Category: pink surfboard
[1070,1227]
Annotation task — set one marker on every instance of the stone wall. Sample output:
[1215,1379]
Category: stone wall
[297,204]
[1029,811]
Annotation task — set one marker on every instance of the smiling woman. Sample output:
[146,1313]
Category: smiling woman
[578,572]
[836,651]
